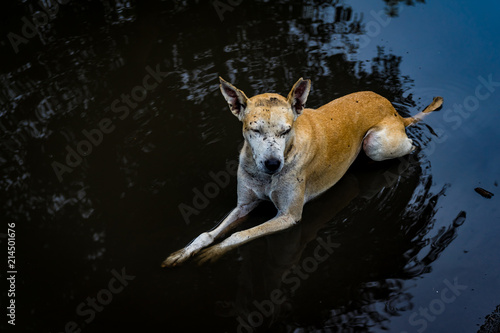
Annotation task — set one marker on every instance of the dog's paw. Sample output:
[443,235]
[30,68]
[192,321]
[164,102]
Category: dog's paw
[176,258]
[210,255]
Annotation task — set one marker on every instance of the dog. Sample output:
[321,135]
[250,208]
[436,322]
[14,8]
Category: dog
[292,154]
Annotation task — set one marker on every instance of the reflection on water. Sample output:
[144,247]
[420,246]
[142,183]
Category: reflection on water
[71,82]
[311,266]
[118,207]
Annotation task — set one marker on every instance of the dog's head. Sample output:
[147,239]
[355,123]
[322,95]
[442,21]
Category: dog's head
[268,121]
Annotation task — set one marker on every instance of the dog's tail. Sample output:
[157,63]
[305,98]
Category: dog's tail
[437,102]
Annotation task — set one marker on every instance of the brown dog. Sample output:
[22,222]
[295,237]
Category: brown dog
[292,154]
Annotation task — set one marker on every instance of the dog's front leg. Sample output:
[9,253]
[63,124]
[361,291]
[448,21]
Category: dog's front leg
[276,224]
[289,204]
[207,238]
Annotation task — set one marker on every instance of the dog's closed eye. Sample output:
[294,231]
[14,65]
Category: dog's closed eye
[285,132]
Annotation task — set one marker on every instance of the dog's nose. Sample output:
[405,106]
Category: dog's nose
[272,165]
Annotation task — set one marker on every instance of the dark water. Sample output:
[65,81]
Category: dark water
[96,180]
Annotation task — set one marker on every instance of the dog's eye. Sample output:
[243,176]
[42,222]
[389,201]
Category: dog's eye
[286,132]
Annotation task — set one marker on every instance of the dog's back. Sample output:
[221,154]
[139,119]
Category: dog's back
[336,131]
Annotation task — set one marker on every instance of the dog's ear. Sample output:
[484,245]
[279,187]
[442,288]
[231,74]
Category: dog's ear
[236,98]
[298,95]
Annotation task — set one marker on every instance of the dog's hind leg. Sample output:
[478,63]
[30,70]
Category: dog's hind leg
[387,140]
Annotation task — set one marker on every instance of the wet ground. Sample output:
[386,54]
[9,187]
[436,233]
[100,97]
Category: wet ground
[117,148]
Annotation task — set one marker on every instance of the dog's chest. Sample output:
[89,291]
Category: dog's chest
[261,185]
[262,188]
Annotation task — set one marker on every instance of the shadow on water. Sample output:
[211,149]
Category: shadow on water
[344,265]
[115,203]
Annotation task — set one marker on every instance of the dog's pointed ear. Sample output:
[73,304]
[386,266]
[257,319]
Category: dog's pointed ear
[298,96]
[236,98]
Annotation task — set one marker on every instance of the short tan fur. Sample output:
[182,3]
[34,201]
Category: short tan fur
[292,154]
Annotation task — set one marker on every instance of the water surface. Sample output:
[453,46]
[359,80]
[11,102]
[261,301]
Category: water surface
[112,124]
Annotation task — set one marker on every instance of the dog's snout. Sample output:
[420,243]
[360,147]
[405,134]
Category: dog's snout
[272,165]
